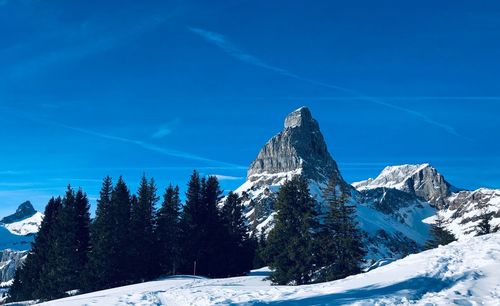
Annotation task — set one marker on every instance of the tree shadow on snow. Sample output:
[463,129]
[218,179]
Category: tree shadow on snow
[412,289]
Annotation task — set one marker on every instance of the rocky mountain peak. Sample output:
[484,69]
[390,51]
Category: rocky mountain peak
[299,148]
[301,117]
[422,180]
[25,210]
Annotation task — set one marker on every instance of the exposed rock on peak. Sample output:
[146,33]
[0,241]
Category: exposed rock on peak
[25,210]
[300,147]
[301,117]
[422,180]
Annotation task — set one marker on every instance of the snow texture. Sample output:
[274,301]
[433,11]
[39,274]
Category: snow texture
[27,226]
[462,273]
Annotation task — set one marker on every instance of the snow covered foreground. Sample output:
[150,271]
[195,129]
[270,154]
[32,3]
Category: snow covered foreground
[463,273]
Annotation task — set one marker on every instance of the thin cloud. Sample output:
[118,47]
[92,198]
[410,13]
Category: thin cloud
[228,47]
[165,129]
[222,177]
[89,44]
[146,146]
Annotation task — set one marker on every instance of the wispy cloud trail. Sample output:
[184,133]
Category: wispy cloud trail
[228,47]
[165,129]
[147,146]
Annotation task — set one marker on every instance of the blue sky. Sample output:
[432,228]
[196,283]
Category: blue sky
[89,88]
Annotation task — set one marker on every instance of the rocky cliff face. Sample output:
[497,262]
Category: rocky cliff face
[300,146]
[423,181]
[460,209]
[9,262]
[25,210]
[391,228]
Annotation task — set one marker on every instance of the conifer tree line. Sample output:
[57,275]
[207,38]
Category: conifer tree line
[130,240]
[139,237]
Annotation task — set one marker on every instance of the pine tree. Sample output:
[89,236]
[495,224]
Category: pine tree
[190,226]
[26,284]
[240,248]
[59,273]
[142,225]
[82,225]
[213,262]
[167,231]
[202,230]
[439,235]
[120,233]
[339,243]
[98,271]
[484,227]
[290,242]
[261,257]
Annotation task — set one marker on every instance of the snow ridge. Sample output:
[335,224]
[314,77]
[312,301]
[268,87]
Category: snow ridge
[462,273]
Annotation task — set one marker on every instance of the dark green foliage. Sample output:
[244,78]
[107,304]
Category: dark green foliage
[202,230]
[167,231]
[290,242]
[261,257]
[142,223]
[439,235]
[484,227]
[339,243]
[27,278]
[108,263]
[68,251]
[239,248]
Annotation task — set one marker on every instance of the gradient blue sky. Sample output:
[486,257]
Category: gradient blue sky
[89,88]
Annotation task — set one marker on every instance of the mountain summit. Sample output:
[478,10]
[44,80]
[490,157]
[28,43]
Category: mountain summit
[300,147]
[25,210]
[421,180]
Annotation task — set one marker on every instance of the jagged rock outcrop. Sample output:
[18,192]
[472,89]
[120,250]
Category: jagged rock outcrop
[16,235]
[422,180]
[300,146]
[25,210]
[391,229]
[460,209]
[9,262]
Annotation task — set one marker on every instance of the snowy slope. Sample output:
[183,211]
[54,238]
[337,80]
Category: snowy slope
[460,209]
[462,273]
[27,226]
[391,177]
[465,208]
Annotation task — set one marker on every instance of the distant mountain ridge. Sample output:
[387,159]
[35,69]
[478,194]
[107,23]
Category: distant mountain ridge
[16,234]
[460,209]
[393,210]
[25,210]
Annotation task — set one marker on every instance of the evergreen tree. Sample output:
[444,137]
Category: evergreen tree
[290,242]
[240,249]
[60,271]
[190,226]
[98,272]
[120,233]
[261,258]
[214,243]
[142,225]
[203,234]
[339,243]
[26,284]
[167,231]
[439,235]
[82,224]
[484,227]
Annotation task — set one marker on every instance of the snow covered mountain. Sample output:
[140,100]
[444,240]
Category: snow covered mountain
[16,234]
[462,273]
[460,209]
[423,181]
[300,149]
